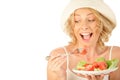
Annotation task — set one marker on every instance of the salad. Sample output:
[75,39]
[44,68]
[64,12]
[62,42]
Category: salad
[98,65]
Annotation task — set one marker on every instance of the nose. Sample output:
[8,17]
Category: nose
[84,26]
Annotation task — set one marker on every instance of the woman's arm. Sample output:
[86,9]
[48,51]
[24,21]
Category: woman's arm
[56,66]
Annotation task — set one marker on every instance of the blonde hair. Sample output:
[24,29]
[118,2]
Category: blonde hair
[104,23]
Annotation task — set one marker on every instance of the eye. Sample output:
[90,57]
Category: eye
[91,20]
[77,21]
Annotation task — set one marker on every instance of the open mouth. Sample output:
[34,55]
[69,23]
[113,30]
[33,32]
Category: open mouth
[86,36]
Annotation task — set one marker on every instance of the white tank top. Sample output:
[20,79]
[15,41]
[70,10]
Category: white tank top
[72,76]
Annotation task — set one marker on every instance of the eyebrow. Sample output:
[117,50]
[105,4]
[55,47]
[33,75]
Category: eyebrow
[87,14]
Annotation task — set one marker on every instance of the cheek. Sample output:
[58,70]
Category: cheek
[76,28]
[76,31]
[98,30]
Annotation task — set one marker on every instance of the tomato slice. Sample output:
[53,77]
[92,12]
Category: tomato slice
[95,64]
[89,67]
[102,65]
[84,51]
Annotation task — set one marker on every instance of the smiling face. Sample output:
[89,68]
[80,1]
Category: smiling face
[86,27]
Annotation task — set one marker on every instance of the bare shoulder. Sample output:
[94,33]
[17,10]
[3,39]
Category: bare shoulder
[57,51]
[116,52]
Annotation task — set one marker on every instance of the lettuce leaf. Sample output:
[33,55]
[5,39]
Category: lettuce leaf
[100,59]
[81,64]
[112,63]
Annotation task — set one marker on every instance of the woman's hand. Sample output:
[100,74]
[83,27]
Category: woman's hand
[92,77]
[95,77]
[56,65]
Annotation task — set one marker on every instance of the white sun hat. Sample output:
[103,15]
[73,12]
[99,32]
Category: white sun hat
[98,5]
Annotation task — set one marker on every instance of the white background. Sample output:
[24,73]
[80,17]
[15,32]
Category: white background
[29,30]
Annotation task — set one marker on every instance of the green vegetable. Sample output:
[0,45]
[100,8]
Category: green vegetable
[100,59]
[108,63]
[81,64]
[112,63]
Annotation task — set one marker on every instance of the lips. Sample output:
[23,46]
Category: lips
[86,36]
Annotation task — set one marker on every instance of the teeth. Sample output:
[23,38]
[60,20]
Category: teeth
[85,34]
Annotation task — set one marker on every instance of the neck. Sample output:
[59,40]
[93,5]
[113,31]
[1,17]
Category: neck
[91,51]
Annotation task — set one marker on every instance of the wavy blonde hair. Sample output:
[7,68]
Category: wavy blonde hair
[104,23]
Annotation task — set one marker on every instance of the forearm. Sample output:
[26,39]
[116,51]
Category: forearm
[53,76]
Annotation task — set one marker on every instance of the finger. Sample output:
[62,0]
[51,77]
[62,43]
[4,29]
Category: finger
[53,57]
[52,61]
[101,76]
[97,77]
[93,77]
[57,62]
[56,56]
[88,77]
[58,65]
[80,75]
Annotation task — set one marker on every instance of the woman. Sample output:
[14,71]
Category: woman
[89,24]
